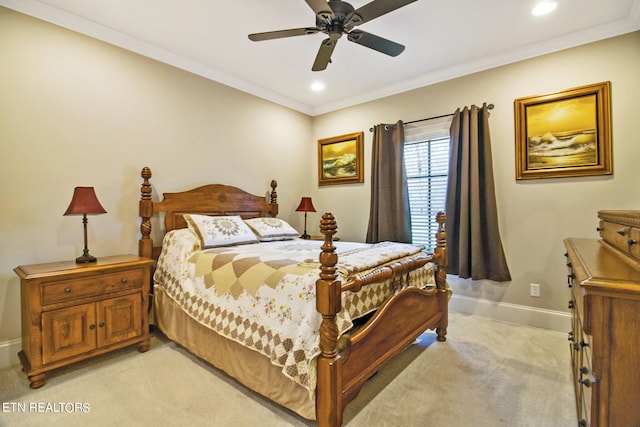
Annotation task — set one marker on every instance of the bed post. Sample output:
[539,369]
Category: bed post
[441,260]
[328,303]
[274,198]
[145,245]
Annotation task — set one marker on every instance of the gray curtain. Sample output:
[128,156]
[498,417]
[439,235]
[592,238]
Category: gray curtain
[389,215]
[473,238]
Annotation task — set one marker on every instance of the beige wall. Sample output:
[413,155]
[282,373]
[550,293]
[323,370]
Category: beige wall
[75,111]
[536,215]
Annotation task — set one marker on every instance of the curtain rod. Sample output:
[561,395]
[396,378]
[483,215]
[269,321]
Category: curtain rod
[490,107]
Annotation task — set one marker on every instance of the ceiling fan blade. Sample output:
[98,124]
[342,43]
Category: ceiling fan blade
[269,35]
[321,8]
[375,9]
[324,54]
[376,42]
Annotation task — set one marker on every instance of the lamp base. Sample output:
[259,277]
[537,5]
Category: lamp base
[305,236]
[86,258]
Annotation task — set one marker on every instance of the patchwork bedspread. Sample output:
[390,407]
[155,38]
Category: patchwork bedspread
[263,295]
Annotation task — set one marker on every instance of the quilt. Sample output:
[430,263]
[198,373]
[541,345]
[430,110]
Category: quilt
[263,295]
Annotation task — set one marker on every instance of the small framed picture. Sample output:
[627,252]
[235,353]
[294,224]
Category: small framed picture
[564,134]
[340,159]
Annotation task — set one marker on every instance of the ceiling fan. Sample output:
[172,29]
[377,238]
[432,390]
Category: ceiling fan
[335,18]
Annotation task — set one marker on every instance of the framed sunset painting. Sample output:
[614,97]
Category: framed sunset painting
[564,134]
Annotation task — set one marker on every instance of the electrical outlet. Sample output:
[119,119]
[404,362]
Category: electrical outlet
[534,290]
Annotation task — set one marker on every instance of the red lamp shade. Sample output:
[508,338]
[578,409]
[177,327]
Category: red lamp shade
[84,201]
[305,205]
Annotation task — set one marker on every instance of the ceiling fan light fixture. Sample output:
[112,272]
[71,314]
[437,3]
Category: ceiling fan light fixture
[544,8]
[337,17]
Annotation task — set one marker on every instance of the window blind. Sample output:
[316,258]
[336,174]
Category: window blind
[426,157]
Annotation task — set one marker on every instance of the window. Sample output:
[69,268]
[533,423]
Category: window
[426,158]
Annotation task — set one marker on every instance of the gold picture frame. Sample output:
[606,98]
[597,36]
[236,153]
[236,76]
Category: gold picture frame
[340,159]
[564,134]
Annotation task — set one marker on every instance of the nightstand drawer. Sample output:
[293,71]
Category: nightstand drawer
[67,290]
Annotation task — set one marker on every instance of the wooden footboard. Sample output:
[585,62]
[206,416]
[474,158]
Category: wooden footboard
[346,363]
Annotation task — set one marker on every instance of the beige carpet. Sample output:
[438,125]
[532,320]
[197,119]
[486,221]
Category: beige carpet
[488,373]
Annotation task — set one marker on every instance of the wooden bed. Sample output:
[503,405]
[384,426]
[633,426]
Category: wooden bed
[345,362]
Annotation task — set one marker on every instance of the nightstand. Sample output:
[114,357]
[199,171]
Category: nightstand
[71,312]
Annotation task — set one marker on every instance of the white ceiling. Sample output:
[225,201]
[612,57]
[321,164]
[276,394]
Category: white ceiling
[443,39]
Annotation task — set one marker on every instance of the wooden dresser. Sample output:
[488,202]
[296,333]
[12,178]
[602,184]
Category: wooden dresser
[604,278]
[71,312]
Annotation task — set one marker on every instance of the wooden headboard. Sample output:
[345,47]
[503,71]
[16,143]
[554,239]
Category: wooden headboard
[212,199]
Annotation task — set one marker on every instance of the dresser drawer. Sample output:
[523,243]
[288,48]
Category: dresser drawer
[577,295]
[69,290]
[621,230]
[586,385]
[584,413]
[634,242]
[616,234]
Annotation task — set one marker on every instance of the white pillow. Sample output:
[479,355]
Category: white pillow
[216,231]
[269,229]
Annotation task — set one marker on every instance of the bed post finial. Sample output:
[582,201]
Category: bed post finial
[328,257]
[328,303]
[145,245]
[274,198]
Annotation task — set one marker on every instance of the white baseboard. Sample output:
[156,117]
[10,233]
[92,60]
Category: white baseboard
[9,353]
[521,314]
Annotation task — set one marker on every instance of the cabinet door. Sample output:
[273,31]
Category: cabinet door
[68,332]
[119,319]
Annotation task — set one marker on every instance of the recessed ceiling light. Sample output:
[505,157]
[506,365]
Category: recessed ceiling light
[317,87]
[544,8]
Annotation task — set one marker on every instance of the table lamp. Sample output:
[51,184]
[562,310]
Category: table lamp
[84,202]
[305,206]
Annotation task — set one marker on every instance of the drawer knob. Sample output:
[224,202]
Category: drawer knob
[622,232]
[570,337]
[632,242]
[584,344]
[101,324]
[599,229]
[582,423]
[584,370]
[67,290]
[123,280]
[92,327]
[585,382]
[571,305]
